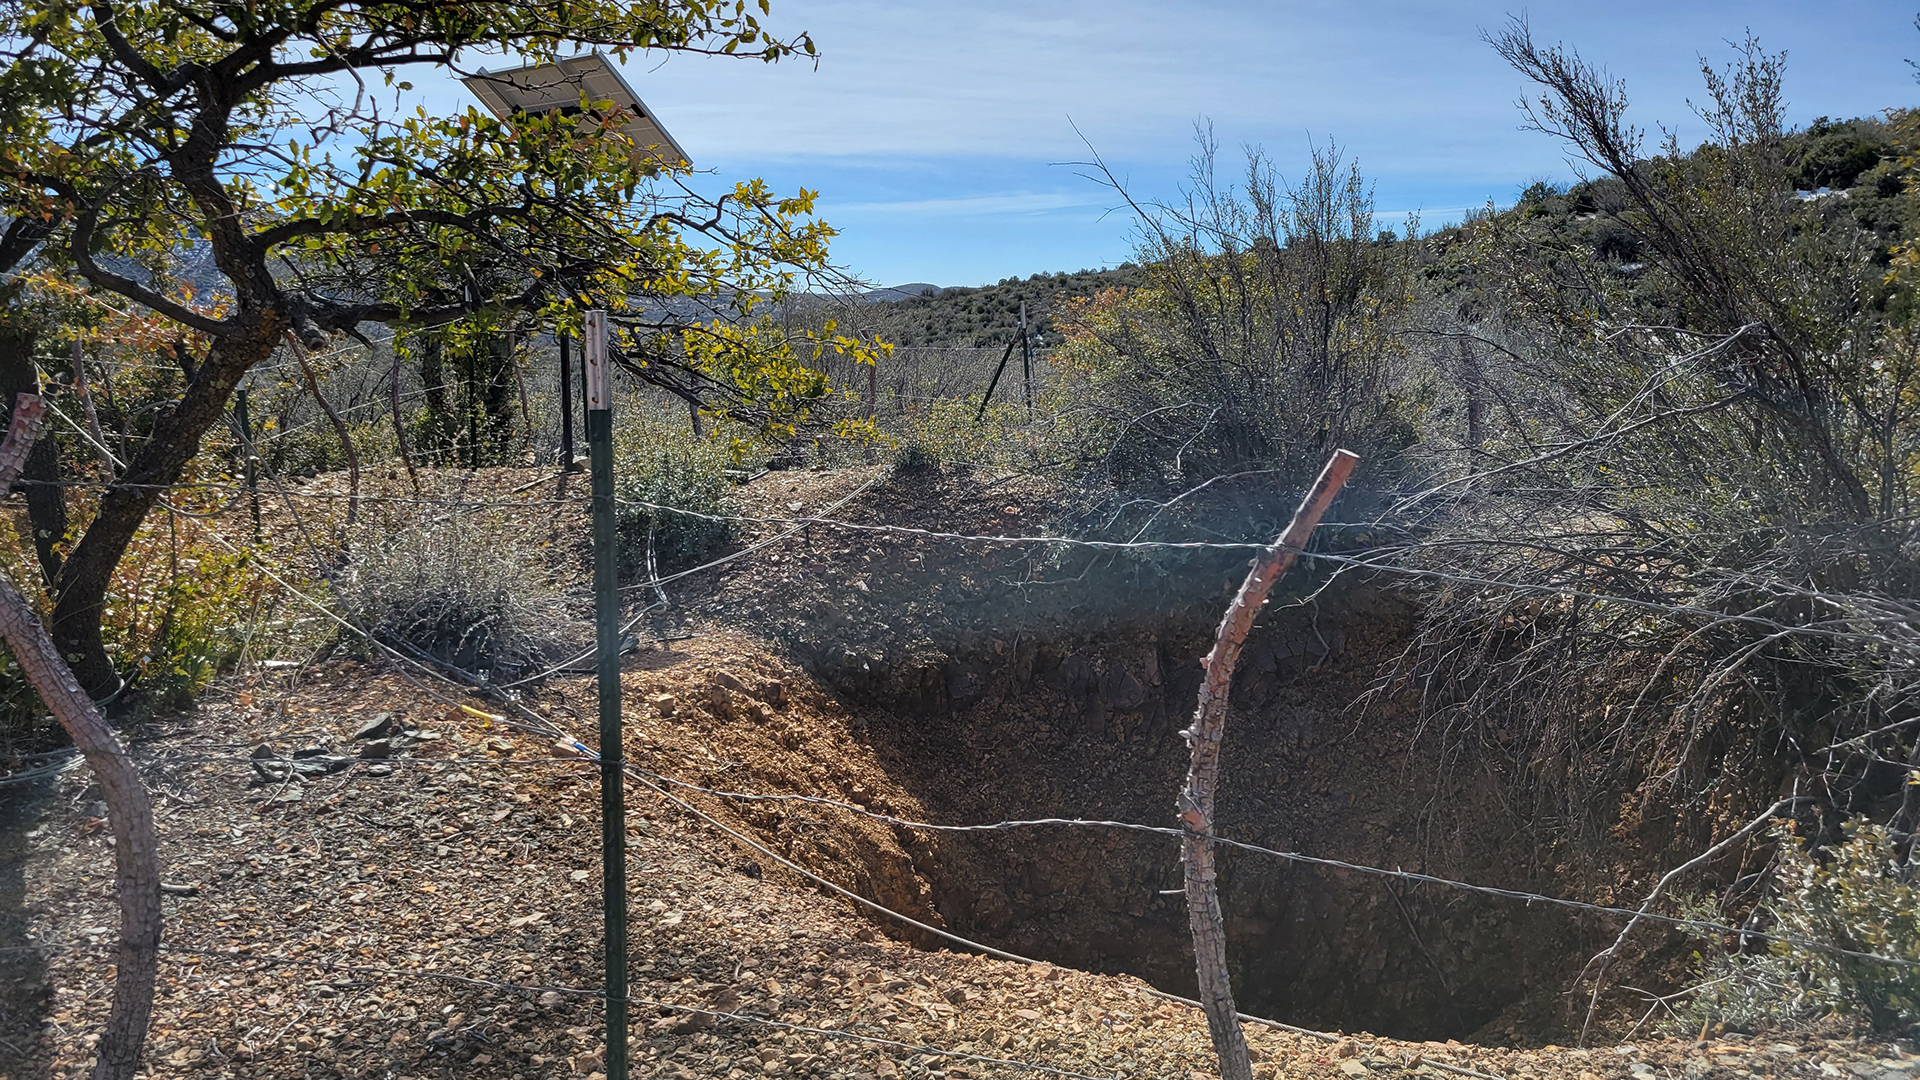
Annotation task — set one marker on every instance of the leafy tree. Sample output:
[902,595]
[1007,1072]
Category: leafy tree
[270,143]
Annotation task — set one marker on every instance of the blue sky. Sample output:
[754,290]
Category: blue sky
[933,130]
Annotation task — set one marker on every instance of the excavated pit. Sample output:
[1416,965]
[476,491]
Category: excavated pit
[984,682]
[1037,725]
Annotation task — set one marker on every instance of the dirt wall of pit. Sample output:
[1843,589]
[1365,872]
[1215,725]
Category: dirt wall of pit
[978,682]
[1087,726]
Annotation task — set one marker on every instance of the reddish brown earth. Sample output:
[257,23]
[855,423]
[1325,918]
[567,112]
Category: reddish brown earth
[307,933]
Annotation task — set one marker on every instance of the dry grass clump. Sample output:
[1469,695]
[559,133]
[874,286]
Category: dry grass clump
[465,591]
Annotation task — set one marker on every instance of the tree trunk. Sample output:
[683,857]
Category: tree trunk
[433,379]
[129,812]
[81,591]
[498,397]
[1476,403]
[46,499]
[400,423]
[1203,772]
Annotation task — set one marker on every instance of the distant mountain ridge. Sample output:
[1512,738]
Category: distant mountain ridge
[901,292]
[923,315]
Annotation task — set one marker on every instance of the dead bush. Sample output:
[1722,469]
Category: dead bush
[471,593]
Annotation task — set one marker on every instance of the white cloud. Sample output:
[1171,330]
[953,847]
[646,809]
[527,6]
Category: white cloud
[1010,203]
[927,122]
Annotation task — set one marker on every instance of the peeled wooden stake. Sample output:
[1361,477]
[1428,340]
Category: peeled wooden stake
[1203,773]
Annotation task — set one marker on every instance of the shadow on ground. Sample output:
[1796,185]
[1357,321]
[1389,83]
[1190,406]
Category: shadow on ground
[26,992]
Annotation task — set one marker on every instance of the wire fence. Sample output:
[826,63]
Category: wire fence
[450,685]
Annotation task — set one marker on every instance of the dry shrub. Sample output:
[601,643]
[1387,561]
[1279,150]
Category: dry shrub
[468,591]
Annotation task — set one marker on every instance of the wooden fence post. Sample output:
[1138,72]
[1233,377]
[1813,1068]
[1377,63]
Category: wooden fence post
[1203,772]
[129,811]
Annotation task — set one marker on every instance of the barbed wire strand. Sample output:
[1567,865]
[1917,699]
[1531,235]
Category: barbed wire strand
[1368,559]
[550,727]
[1289,856]
[795,525]
[586,755]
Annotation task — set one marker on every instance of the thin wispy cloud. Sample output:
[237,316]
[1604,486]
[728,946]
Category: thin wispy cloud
[930,128]
[966,206]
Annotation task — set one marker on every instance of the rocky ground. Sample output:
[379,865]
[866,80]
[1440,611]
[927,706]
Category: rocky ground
[399,885]
[434,913]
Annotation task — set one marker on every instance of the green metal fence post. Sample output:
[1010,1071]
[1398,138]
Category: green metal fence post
[252,466]
[606,609]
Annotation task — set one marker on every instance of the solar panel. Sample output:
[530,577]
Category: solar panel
[558,87]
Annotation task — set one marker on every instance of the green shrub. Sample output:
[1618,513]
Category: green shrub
[671,485]
[1837,158]
[315,447]
[945,432]
[1266,332]
[470,592]
[1856,896]
[916,459]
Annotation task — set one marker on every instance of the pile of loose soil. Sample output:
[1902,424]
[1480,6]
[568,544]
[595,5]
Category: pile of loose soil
[430,913]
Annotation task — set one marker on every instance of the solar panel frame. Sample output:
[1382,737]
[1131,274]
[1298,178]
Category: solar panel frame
[558,86]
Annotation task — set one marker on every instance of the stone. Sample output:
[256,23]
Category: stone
[664,704]
[692,1023]
[380,770]
[378,748]
[549,999]
[1352,1067]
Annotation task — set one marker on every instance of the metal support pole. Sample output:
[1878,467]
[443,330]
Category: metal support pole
[566,401]
[1026,357]
[252,458]
[995,381]
[606,610]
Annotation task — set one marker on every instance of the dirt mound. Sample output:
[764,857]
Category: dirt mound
[434,919]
